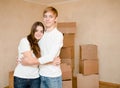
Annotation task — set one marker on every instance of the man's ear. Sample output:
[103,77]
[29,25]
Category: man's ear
[56,20]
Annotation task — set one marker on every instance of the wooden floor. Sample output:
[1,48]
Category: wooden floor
[101,84]
[108,85]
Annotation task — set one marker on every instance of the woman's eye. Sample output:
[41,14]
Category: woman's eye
[41,31]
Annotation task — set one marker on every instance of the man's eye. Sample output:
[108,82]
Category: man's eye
[51,16]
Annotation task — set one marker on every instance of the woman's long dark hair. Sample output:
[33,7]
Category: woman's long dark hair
[33,41]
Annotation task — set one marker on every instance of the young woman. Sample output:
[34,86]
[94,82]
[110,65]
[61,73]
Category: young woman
[28,76]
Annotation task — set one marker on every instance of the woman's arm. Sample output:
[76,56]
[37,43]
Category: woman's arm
[28,59]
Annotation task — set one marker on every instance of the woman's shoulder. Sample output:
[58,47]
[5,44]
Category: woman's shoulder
[24,39]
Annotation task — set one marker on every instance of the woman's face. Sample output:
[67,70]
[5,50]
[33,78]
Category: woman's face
[38,33]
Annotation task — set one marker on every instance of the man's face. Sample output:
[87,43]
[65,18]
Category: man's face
[49,19]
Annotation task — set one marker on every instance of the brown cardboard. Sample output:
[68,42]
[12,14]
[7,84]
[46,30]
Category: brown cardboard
[67,52]
[88,51]
[66,71]
[88,67]
[67,27]
[68,61]
[74,81]
[67,84]
[68,40]
[11,79]
[89,81]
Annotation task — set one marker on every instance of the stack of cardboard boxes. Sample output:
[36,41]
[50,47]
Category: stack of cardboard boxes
[67,52]
[88,67]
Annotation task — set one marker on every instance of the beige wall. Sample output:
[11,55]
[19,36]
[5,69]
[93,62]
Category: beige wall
[97,23]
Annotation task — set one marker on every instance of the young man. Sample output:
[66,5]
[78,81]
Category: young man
[50,45]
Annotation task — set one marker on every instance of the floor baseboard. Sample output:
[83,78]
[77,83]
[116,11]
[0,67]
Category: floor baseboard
[109,85]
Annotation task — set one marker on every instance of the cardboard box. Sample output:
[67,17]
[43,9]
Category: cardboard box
[68,61]
[67,27]
[74,81]
[88,67]
[68,40]
[11,79]
[66,71]
[67,84]
[67,52]
[88,51]
[89,81]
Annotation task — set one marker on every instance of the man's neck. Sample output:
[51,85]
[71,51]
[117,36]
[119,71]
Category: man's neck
[48,29]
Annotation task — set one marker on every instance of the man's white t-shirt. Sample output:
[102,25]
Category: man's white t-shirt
[25,71]
[50,45]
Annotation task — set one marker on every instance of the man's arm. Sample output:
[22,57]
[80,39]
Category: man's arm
[28,59]
[24,49]
[57,44]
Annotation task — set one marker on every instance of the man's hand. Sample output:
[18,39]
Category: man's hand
[29,61]
[56,61]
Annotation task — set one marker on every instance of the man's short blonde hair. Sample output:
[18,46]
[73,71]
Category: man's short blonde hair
[51,9]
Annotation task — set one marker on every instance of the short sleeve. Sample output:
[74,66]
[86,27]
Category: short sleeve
[24,45]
